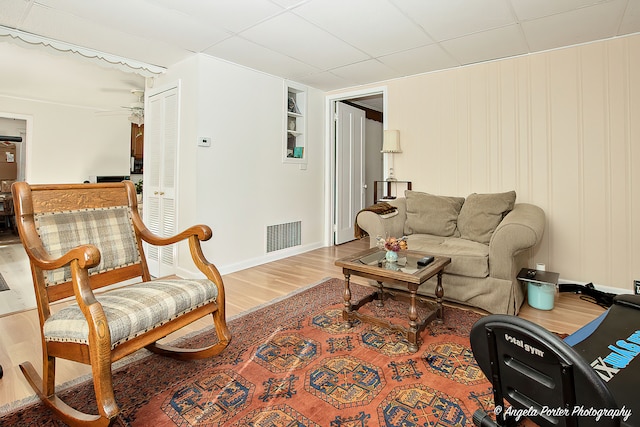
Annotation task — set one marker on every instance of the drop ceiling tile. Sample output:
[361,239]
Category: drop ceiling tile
[447,19]
[631,21]
[182,32]
[365,72]
[62,26]
[527,10]
[232,15]
[249,54]
[13,12]
[288,4]
[419,60]
[355,19]
[487,45]
[326,81]
[145,20]
[578,26]
[294,37]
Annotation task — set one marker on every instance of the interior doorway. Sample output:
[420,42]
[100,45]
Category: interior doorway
[372,102]
[13,137]
[13,154]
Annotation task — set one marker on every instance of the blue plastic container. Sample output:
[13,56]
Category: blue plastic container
[541,295]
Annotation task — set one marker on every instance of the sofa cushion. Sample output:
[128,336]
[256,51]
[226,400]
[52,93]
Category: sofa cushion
[481,214]
[468,258]
[429,214]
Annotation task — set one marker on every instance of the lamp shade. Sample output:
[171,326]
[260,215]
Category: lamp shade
[391,142]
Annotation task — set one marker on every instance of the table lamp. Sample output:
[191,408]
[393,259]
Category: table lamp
[391,145]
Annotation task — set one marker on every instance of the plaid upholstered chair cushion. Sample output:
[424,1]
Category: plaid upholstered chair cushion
[109,229]
[133,310]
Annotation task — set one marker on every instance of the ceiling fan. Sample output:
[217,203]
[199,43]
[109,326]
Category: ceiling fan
[137,108]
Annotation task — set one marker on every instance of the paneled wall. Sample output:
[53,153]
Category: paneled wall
[562,128]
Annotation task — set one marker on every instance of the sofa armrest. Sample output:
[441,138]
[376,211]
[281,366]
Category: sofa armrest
[376,225]
[520,230]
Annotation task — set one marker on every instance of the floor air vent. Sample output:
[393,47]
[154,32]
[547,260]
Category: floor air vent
[282,236]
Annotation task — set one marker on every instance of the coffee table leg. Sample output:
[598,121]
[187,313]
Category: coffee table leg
[439,295]
[347,301]
[412,334]
[380,301]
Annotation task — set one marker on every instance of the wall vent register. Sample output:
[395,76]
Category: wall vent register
[282,236]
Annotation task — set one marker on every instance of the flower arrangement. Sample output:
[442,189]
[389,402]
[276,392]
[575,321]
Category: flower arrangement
[392,243]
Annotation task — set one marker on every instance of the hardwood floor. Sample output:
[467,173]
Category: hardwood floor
[20,339]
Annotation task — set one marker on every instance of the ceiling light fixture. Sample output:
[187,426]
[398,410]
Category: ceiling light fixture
[137,108]
[136,118]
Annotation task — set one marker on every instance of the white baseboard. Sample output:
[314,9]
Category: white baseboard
[242,265]
[273,256]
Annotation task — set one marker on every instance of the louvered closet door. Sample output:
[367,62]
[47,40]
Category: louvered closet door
[160,154]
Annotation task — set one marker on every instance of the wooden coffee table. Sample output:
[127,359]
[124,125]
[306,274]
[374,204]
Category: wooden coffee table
[405,272]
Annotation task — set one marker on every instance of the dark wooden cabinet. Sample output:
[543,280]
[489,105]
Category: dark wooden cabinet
[389,190]
[137,147]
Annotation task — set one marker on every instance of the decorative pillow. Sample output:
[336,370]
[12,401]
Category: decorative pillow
[429,214]
[481,214]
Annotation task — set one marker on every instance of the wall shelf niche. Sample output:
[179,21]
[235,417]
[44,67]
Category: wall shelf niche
[295,106]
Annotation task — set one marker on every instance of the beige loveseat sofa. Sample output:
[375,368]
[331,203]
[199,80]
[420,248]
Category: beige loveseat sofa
[487,237]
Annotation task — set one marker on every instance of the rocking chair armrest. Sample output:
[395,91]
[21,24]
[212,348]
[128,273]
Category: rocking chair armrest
[201,262]
[201,232]
[87,255]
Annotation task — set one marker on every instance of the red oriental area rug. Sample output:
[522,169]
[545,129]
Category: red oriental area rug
[294,363]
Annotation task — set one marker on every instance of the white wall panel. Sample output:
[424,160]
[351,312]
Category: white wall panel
[632,47]
[564,163]
[618,166]
[593,155]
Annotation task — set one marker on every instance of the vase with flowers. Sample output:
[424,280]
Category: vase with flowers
[392,245]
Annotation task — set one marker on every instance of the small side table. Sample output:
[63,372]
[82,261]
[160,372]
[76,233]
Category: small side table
[387,189]
[541,287]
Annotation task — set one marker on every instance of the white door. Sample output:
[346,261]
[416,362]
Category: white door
[160,156]
[350,179]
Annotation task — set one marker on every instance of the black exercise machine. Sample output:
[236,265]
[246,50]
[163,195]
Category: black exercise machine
[586,380]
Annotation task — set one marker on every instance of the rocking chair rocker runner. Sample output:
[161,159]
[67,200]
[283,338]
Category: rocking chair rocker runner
[82,237]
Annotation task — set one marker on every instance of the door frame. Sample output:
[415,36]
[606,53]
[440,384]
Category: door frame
[330,152]
[24,160]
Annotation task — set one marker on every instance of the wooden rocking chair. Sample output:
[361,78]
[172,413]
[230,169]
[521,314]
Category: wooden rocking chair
[81,237]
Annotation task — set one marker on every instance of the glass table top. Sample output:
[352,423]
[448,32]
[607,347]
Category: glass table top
[406,263]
